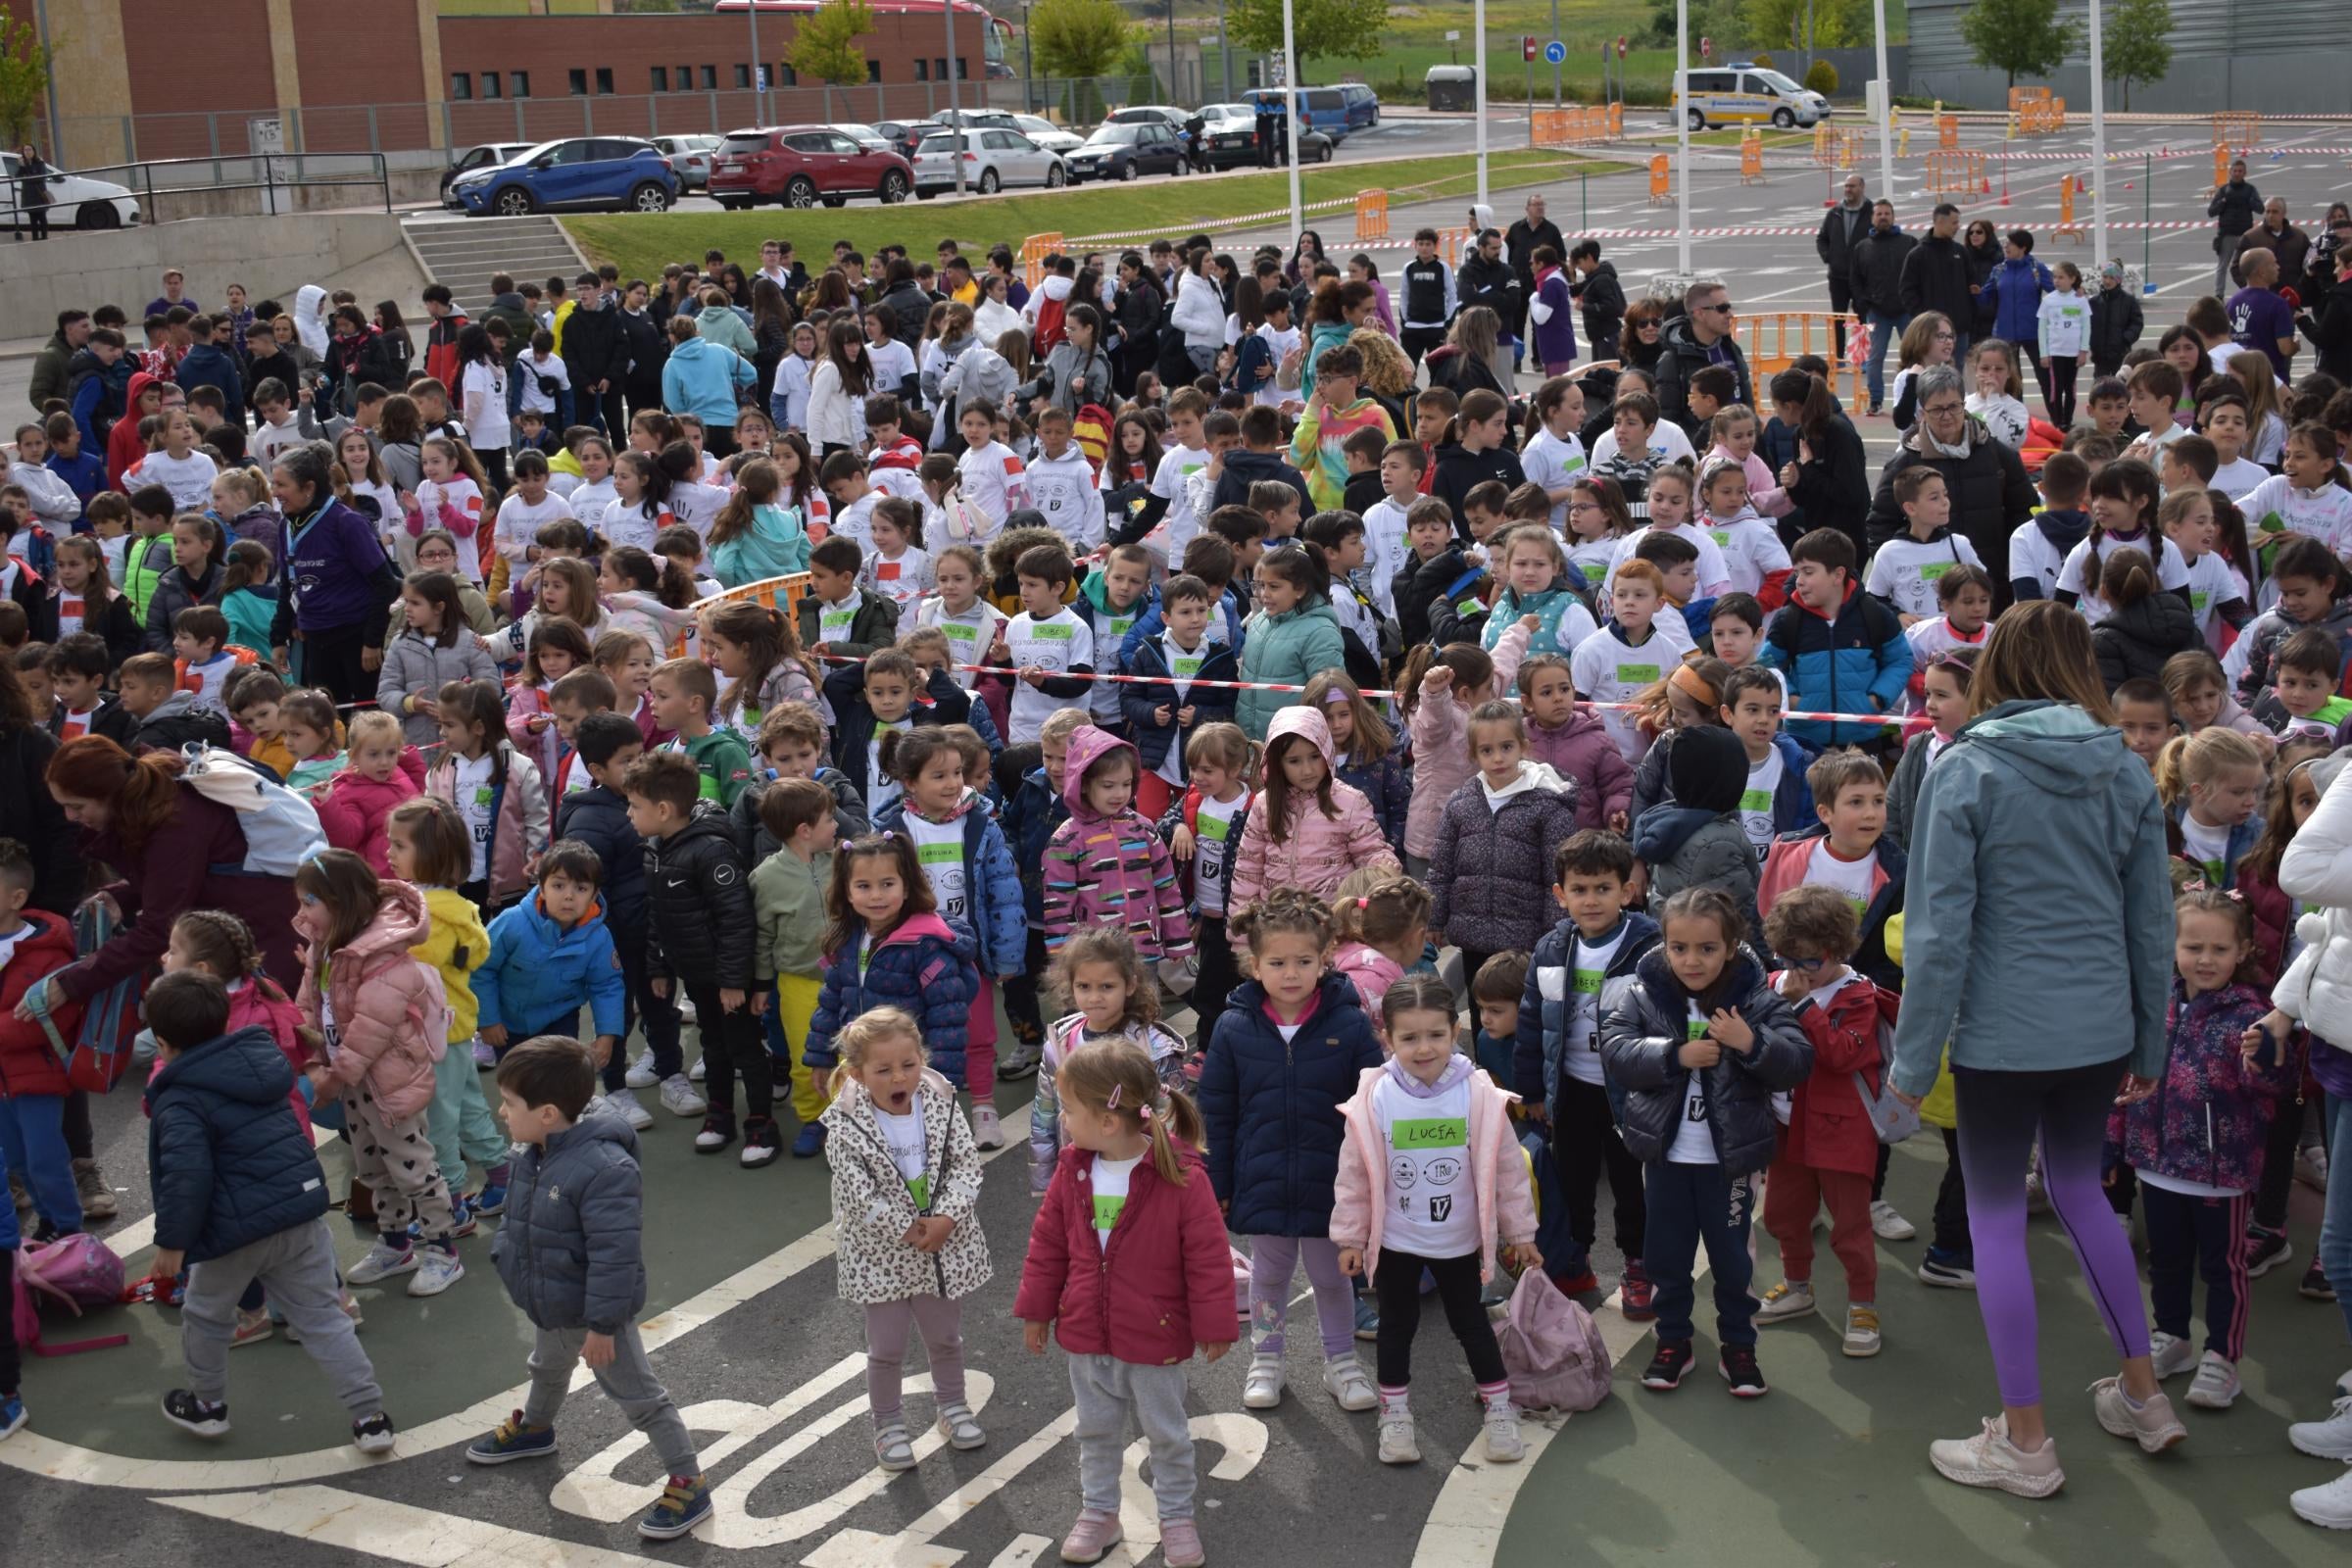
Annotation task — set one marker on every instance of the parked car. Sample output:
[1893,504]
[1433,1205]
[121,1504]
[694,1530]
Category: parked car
[75,201]
[482,155]
[1002,119]
[1744,94]
[1335,111]
[905,136]
[1148,114]
[1229,135]
[801,166]
[992,160]
[690,156]
[1128,150]
[1047,134]
[615,171]
[866,136]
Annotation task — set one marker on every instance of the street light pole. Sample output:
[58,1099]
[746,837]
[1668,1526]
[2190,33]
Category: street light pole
[1885,105]
[1028,65]
[1291,89]
[1681,132]
[2098,138]
[1225,46]
[963,132]
[1174,91]
[751,14]
[1478,59]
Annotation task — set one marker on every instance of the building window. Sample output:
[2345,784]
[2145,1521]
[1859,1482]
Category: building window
[661,79]
[873,70]
[579,84]
[518,84]
[685,78]
[490,85]
[939,70]
[786,76]
[461,86]
[962,75]
[743,75]
[604,78]
[922,68]
[709,79]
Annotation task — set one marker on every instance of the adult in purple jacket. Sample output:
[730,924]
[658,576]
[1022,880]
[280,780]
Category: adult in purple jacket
[336,587]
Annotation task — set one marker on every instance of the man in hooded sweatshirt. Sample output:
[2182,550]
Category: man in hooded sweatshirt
[595,355]
[1936,278]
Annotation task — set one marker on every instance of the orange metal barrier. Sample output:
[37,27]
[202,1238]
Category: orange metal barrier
[2221,154]
[2238,132]
[1616,119]
[2067,227]
[1773,340]
[1948,132]
[1565,127]
[1451,242]
[2041,116]
[1661,187]
[1034,250]
[2019,97]
[1960,174]
[1752,159]
[782,594]
[1371,216]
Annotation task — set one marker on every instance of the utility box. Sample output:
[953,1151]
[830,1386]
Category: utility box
[1453,87]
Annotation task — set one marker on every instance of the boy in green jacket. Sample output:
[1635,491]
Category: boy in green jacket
[788,891]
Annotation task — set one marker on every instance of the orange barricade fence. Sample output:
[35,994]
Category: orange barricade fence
[2221,154]
[782,594]
[1451,242]
[2067,227]
[1957,174]
[1661,188]
[1564,128]
[2237,132]
[1751,160]
[2019,97]
[1371,216]
[1772,340]
[1948,132]
[1616,120]
[1034,250]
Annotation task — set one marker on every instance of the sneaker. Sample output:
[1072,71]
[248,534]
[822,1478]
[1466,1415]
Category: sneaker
[685,1502]
[384,1260]
[1504,1445]
[718,1131]
[961,1427]
[2036,1200]
[986,1133]
[1577,1284]
[373,1433]
[2311,1168]
[686,1016]
[641,1073]
[894,1445]
[191,1414]
[2170,1355]
[12,1417]
[1095,1534]
[2152,1426]
[1367,1318]
[680,1098]
[462,1223]
[2215,1385]
[810,1140]
[1861,1331]
[1262,1384]
[1889,1226]
[2315,1286]
[1180,1544]
[2265,1250]
[1396,1444]
[1350,1387]
[2330,1438]
[2328,1506]
[490,1202]
[1785,1301]
[1952,1272]
[1634,1295]
[626,1102]
[484,1057]
[1669,1366]
[1020,1061]
[1740,1370]
[1990,1459]
[98,1203]
[437,1269]
[511,1439]
[761,1142]
[252,1328]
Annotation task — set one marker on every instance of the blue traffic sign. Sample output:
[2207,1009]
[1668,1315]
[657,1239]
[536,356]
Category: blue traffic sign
[1554,52]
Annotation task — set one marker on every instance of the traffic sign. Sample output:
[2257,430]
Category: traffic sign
[1620,46]
[1527,46]
[1554,52]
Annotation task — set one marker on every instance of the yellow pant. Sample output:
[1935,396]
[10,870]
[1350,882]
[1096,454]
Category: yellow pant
[796,1007]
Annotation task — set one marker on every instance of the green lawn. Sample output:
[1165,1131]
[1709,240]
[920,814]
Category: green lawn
[640,246]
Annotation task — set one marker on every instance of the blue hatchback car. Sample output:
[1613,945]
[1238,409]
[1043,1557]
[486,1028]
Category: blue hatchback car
[617,173]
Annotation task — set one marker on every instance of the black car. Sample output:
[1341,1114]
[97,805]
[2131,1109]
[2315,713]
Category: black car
[1119,151]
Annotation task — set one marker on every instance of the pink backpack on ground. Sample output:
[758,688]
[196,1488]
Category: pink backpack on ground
[73,1272]
[1551,1348]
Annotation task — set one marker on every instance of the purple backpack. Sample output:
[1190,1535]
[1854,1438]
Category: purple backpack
[1551,1349]
[73,1272]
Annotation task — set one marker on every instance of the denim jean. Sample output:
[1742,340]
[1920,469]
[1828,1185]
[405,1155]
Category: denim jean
[2336,1228]
[1885,330]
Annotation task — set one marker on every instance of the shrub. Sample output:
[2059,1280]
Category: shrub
[1822,79]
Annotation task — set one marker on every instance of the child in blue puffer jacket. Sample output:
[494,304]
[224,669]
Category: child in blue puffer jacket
[548,951]
[888,948]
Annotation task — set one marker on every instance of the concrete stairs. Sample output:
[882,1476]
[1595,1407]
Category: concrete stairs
[464,253]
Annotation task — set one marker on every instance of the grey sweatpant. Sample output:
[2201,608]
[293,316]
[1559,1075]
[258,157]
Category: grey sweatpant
[629,1383]
[297,1268]
[1107,1391]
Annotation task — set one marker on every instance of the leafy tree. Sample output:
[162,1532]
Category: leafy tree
[1837,24]
[1349,30]
[2020,37]
[24,80]
[1077,37]
[2138,44]
[825,46]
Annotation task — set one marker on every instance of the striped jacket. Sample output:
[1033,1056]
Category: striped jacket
[1111,870]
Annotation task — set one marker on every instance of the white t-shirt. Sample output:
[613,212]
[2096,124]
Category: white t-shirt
[209,681]
[535,370]
[1281,342]
[1712,567]
[1606,669]
[1693,1138]
[1904,570]
[1112,1179]
[72,611]
[1434,1210]
[519,522]
[1216,834]
[1823,869]
[1183,666]
[939,850]
[190,478]
[855,520]
[464,497]
[968,633]
[2324,514]
[1386,549]
[2237,476]
[2079,576]
[905,1136]
[834,620]
[1552,461]
[1584,983]
[1177,528]
[1060,642]
[1667,444]
[1755,802]
[2211,585]
[590,502]
[472,791]
[1751,549]
[696,505]
[903,581]
[880,789]
[2208,847]
[490,428]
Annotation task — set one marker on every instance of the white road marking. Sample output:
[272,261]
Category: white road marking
[382,1531]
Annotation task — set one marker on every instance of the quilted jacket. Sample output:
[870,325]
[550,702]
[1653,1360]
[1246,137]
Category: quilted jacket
[568,1245]
[1546,1004]
[1317,852]
[1491,878]
[698,899]
[992,884]
[873,1206]
[1139,702]
[1827,1128]
[1161,1285]
[390,1011]
[225,1156]
[1582,752]
[924,966]
[355,807]
[2209,1117]
[414,666]
[1109,870]
[28,1063]
[538,972]
[1440,729]
[1389,785]
[1642,1033]
[1272,1108]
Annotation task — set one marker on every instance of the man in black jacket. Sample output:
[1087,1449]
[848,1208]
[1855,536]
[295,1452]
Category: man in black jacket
[1525,236]
[1936,278]
[1486,278]
[596,356]
[2234,206]
[1875,273]
[1596,288]
[1841,229]
[1700,337]
[2329,324]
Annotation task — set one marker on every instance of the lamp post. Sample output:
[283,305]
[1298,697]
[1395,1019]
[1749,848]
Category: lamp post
[1885,106]
[963,136]
[2098,136]
[751,15]
[1478,60]
[1028,65]
[1174,91]
[1225,47]
[1681,132]
[1291,89]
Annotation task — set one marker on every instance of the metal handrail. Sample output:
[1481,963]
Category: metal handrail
[142,181]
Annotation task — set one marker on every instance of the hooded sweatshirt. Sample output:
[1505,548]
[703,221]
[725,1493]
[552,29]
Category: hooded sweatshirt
[1317,850]
[123,444]
[1699,841]
[1111,870]
[310,318]
[390,1011]
[2039,548]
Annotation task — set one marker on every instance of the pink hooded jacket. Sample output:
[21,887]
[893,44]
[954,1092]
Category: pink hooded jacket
[355,807]
[1580,749]
[1111,870]
[1441,732]
[1371,971]
[1499,1173]
[1317,852]
[391,1014]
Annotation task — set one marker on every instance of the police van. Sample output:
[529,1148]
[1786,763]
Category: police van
[1740,93]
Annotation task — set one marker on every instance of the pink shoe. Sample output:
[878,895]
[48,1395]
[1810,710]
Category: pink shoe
[1095,1533]
[1180,1544]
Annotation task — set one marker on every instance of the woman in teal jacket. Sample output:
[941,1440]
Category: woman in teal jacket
[2039,944]
[701,377]
[1291,638]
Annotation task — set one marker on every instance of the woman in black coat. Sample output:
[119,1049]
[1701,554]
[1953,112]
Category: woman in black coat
[1984,253]
[31,813]
[1829,476]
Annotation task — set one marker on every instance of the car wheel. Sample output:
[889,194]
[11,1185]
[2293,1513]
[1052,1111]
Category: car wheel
[1055,177]
[989,183]
[97,214]
[514,202]
[799,191]
[1782,120]
[1324,157]
[649,198]
[1698,122]
[894,188]
[1374,122]
[1129,171]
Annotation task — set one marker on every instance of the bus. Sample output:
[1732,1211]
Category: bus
[993,31]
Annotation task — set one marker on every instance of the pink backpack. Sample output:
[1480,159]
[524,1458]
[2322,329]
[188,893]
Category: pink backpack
[71,1272]
[1551,1349]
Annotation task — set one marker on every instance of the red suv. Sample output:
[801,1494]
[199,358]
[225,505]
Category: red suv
[801,166]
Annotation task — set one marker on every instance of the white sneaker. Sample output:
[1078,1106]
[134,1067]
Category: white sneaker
[624,1100]
[2328,1506]
[695,1072]
[641,1071]
[2216,1387]
[986,1131]
[1505,1446]
[1261,1389]
[381,1263]
[2170,1355]
[680,1098]
[1396,1444]
[1785,1301]
[2036,1200]
[2311,1166]
[1889,1226]
[1345,1380]
[1990,1459]
[437,1269]
[2330,1438]
[2152,1426]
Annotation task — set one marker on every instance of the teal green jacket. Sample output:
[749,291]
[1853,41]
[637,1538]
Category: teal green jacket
[1289,649]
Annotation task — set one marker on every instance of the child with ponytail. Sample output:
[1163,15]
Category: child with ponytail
[1381,919]
[1099,970]
[2211,782]
[756,648]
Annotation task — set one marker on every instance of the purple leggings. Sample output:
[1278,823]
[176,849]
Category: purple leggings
[2001,1114]
[1273,1259]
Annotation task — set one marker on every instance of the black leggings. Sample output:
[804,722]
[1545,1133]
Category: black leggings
[2284,1141]
[1398,1283]
[77,1127]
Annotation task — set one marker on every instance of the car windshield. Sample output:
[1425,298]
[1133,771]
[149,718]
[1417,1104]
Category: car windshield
[944,142]
[1111,135]
[1777,82]
[744,143]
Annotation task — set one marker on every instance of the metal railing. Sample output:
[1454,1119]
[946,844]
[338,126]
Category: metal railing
[167,189]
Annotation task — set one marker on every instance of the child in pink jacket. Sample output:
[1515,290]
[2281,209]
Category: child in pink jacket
[1441,687]
[380,771]
[1306,829]
[1107,865]
[1428,1173]
[1575,743]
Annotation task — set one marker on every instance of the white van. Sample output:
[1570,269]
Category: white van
[1740,94]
